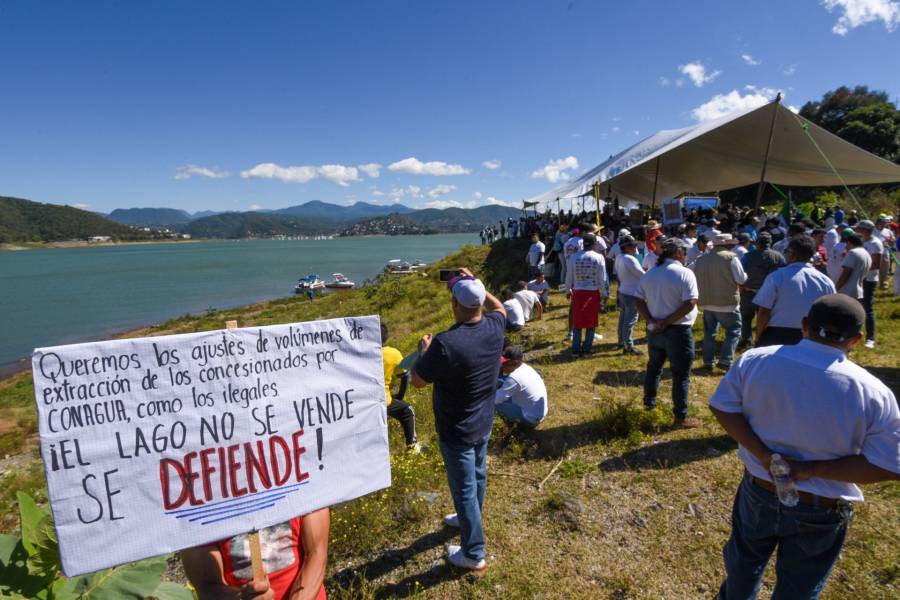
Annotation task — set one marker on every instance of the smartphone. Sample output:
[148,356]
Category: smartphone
[448,274]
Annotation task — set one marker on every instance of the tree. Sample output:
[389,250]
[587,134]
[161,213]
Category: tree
[861,116]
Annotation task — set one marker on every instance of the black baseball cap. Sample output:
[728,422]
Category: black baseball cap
[836,317]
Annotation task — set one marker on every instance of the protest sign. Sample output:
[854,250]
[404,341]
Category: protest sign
[671,212]
[152,445]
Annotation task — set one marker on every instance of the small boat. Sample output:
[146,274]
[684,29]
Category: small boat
[418,265]
[310,282]
[340,282]
[399,267]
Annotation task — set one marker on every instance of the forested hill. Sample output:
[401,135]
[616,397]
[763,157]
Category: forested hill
[26,221]
[254,225]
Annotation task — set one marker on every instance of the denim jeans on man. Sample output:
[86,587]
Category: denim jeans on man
[467,476]
[512,412]
[628,316]
[731,323]
[808,538]
[675,343]
[869,288]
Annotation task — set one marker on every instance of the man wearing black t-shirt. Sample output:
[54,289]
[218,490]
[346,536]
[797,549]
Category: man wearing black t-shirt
[463,363]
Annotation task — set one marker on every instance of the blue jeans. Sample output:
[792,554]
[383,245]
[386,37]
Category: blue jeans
[467,476]
[628,316]
[511,411]
[808,538]
[676,343]
[588,340]
[868,299]
[731,323]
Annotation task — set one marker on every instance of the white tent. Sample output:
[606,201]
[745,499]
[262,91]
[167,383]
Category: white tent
[727,153]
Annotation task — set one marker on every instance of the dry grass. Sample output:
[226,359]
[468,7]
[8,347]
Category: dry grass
[632,509]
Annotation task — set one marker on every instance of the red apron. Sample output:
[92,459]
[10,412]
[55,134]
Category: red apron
[585,308]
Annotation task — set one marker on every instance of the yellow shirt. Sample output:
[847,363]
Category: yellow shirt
[391,358]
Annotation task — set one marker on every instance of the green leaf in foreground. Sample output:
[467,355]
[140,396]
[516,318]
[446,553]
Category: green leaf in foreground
[134,580]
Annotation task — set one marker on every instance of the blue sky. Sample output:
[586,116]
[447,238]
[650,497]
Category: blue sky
[233,106]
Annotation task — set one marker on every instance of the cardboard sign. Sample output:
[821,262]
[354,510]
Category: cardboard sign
[671,212]
[156,444]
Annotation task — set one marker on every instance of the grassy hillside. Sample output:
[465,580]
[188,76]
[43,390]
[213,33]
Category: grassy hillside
[150,217]
[26,221]
[251,224]
[603,500]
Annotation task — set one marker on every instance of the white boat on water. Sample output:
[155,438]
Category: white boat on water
[399,267]
[310,282]
[340,282]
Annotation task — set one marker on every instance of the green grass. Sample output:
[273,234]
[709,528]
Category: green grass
[629,508]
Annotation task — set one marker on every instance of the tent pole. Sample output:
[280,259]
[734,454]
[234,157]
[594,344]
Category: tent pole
[655,182]
[762,176]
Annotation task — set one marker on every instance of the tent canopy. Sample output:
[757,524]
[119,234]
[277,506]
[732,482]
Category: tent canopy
[727,153]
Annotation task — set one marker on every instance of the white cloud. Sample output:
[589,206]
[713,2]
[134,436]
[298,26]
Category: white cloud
[373,170]
[442,204]
[339,174]
[82,206]
[748,59]
[491,164]
[679,82]
[555,170]
[616,129]
[725,104]
[187,171]
[856,13]
[637,132]
[697,73]
[255,207]
[417,167]
[285,174]
[492,200]
[440,190]
[576,135]
[377,192]
[789,70]
[477,195]
[413,191]
[664,82]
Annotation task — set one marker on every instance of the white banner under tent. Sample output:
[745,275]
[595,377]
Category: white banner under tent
[728,153]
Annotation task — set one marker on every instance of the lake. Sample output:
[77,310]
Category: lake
[58,296]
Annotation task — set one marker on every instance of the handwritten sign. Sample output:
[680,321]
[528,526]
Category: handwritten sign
[156,444]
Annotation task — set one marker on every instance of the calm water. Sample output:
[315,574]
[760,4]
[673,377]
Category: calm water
[56,296]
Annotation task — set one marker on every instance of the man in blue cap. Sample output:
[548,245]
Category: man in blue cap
[463,363]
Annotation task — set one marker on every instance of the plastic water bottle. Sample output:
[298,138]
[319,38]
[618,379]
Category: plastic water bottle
[784,485]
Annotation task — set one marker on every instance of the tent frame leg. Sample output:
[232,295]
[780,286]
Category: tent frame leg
[762,176]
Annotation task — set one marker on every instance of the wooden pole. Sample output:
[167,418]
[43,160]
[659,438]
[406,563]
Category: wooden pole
[259,570]
[655,183]
[762,176]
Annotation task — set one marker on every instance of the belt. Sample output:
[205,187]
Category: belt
[805,497]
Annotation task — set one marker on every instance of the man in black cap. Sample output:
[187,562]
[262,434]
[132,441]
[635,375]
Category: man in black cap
[834,423]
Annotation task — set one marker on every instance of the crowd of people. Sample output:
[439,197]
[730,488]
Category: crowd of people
[793,396]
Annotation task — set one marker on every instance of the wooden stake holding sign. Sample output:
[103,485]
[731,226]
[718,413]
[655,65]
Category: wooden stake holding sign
[259,570]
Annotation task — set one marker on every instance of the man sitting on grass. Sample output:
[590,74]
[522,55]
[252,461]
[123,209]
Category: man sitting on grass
[522,396]
[539,286]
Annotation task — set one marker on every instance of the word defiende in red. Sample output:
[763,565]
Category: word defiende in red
[265,464]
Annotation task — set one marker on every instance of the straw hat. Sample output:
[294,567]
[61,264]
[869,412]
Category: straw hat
[724,239]
[651,225]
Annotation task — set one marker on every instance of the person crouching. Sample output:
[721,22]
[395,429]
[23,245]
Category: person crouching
[522,396]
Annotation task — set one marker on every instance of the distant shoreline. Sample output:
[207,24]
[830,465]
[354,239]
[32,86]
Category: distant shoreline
[19,246]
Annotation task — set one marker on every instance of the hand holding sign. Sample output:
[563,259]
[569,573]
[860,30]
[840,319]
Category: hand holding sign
[152,445]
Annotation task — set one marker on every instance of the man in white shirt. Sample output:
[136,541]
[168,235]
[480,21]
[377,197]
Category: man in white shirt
[719,275]
[832,236]
[515,316]
[836,255]
[883,232]
[700,246]
[786,295]
[530,301]
[854,268]
[667,300]
[743,245]
[873,245]
[834,423]
[522,395]
[629,272]
[535,257]
[539,286]
[586,283]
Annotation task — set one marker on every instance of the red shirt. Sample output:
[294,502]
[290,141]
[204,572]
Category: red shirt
[651,239]
[282,555]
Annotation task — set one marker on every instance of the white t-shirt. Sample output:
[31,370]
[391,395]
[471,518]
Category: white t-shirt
[536,254]
[614,252]
[665,288]
[832,238]
[573,245]
[649,261]
[875,248]
[790,291]
[859,262]
[836,260]
[629,272]
[514,313]
[740,251]
[810,402]
[539,287]
[527,299]
[525,387]
[887,239]
[587,271]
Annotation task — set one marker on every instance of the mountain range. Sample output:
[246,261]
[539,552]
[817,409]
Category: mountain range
[26,221]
